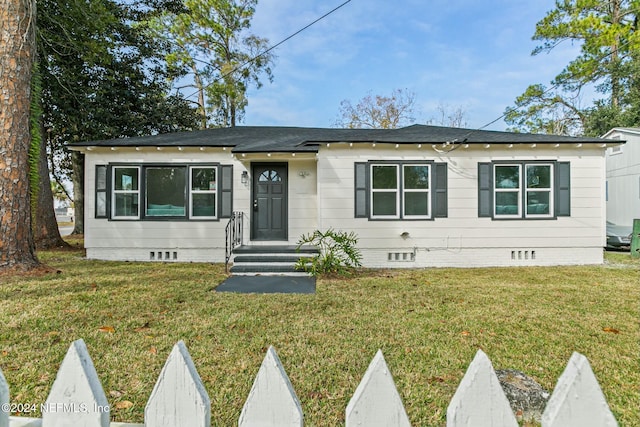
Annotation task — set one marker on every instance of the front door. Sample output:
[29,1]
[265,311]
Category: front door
[269,200]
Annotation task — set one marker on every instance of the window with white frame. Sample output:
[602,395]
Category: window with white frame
[203,189]
[164,191]
[539,190]
[126,192]
[507,191]
[400,191]
[523,190]
[416,191]
[385,191]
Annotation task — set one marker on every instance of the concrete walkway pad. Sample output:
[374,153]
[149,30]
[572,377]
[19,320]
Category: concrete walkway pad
[268,285]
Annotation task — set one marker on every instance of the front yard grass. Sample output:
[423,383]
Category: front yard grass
[428,323]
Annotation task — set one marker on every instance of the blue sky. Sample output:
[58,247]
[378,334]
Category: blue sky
[462,53]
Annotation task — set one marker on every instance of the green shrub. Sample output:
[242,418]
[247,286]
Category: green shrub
[338,252]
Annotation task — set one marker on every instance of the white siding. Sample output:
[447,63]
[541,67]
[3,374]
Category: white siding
[623,178]
[197,241]
[463,239]
[321,195]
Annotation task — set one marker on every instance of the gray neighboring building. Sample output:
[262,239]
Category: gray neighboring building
[623,176]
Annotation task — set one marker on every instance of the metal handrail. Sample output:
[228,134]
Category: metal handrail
[232,236]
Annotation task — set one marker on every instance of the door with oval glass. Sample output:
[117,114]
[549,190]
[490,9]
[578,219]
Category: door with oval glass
[269,201]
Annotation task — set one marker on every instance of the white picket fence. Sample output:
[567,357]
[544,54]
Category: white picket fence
[179,398]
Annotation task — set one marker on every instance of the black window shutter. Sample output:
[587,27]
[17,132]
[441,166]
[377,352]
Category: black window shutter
[360,187]
[563,189]
[485,190]
[440,201]
[225,183]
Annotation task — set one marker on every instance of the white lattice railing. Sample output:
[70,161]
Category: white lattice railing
[179,398]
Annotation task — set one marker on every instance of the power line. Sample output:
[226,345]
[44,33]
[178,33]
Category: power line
[512,109]
[266,51]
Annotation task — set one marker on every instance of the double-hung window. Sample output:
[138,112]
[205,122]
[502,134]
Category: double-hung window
[523,190]
[203,192]
[126,192]
[400,190]
[385,191]
[416,195]
[538,198]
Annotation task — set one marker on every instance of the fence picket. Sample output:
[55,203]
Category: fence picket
[4,401]
[577,399]
[272,401]
[76,397]
[376,400]
[479,399]
[179,397]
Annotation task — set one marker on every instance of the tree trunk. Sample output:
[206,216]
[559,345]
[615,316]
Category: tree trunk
[45,230]
[614,61]
[17,29]
[77,160]
[201,102]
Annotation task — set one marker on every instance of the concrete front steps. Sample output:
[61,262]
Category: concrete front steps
[266,260]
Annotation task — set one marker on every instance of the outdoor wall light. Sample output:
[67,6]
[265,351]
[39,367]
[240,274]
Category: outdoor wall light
[245,177]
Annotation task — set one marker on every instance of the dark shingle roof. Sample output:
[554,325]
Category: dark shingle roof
[254,139]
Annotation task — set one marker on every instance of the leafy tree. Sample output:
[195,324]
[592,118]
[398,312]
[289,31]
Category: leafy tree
[378,112]
[209,40]
[603,116]
[607,31]
[102,78]
[17,53]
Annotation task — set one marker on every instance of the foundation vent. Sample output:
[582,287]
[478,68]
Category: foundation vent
[523,255]
[163,256]
[401,256]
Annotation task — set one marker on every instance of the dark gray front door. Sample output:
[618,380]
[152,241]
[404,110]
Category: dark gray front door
[269,194]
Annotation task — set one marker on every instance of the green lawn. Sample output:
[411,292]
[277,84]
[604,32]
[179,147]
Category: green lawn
[428,323]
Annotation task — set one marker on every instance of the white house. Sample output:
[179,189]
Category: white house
[623,176]
[420,196]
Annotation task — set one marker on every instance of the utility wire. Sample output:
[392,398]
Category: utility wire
[266,51]
[512,109]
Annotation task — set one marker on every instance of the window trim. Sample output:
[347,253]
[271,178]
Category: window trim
[417,190]
[550,190]
[397,191]
[557,190]
[142,196]
[517,190]
[115,192]
[438,187]
[191,192]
